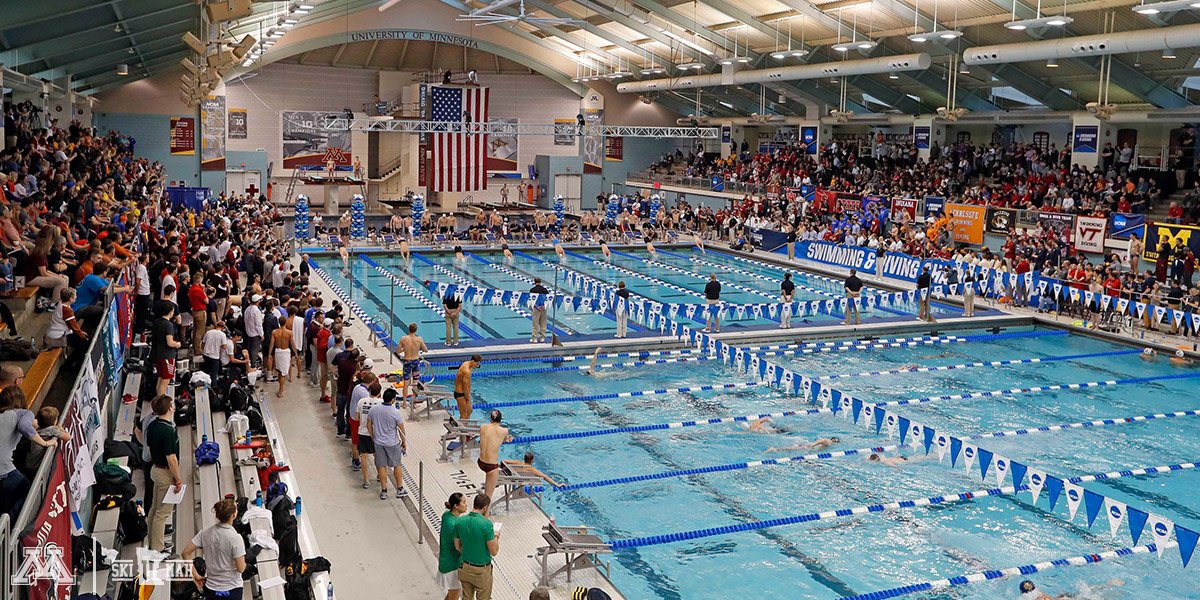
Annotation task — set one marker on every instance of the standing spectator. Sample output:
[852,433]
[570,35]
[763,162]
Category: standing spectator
[449,558]
[923,291]
[15,422]
[712,297]
[346,363]
[163,441]
[386,424]
[141,312]
[622,310]
[476,539]
[224,555]
[253,316]
[853,286]
[213,345]
[164,346]
[539,311]
[365,445]
[92,292]
[452,306]
[969,293]
[787,293]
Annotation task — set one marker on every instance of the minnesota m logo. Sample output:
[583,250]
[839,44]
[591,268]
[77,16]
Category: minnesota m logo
[44,563]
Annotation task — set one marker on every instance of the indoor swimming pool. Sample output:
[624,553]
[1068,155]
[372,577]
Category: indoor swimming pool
[628,464]
[392,291]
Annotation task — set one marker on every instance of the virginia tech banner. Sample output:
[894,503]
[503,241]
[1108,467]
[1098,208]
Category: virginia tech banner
[1090,234]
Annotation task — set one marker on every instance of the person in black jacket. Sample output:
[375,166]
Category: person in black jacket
[712,297]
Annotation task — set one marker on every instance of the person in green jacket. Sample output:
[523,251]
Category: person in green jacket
[449,558]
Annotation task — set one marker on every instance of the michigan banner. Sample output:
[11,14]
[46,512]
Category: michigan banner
[1176,236]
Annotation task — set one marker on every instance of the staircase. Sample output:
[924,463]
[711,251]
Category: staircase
[388,171]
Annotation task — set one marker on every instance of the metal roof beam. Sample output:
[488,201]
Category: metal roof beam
[58,45]
[65,49]
[24,14]
[605,35]
[897,100]
[107,58]
[753,22]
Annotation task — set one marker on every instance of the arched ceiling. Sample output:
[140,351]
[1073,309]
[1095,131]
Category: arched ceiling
[86,38]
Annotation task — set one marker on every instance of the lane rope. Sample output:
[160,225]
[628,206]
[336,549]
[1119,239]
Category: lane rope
[639,393]
[634,363]
[992,363]
[526,439]
[926,341]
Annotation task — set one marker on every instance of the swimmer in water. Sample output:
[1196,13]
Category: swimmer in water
[650,249]
[558,249]
[699,243]
[404,253]
[345,254]
[508,255]
[459,257]
[821,444]
[1180,359]
[909,368]
[763,425]
[891,461]
[591,370]
[606,251]
[1029,591]
[1148,355]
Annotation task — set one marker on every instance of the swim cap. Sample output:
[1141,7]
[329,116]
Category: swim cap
[1179,354]
[1148,351]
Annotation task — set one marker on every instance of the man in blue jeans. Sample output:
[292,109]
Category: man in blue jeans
[346,363]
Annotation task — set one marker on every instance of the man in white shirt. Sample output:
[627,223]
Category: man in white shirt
[211,345]
[254,329]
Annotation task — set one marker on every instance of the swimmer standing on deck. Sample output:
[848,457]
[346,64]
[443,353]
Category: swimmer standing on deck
[462,385]
[413,346]
[491,436]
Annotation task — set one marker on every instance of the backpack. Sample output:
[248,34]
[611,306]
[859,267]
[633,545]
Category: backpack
[131,449]
[82,557]
[237,399]
[255,416]
[112,480]
[282,507]
[132,523]
[208,452]
[289,544]
[185,408]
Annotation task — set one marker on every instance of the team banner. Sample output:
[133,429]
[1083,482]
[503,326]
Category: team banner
[933,207]
[183,136]
[307,143]
[872,203]
[1001,220]
[1089,233]
[853,257]
[830,201]
[1124,225]
[906,206]
[212,134]
[238,124]
[1059,223]
[1176,236]
[966,222]
[45,569]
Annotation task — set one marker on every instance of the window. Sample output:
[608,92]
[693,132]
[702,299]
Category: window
[1041,140]
[964,137]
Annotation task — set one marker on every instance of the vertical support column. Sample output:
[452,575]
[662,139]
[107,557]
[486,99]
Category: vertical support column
[1085,140]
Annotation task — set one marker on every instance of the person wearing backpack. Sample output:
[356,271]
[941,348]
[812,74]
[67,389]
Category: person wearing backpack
[219,574]
[163,441]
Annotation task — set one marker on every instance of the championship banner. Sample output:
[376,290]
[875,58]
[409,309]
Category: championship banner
[934,205]
[921,137]
[1000,220]
[45,568]
[808,137]
[768,239]
[1057,222]
[1089,234]
[1177,236]
[966,222]
[591,147]
[183,136]
[1124,225]
[307,143]
[614,148]
[904,205]
[212,134]
[872,203]
[238,124]
[502,149]
[1084,138]
[853,257]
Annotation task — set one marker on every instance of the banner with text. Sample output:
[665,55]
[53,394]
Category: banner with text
[921,137]
[1177,236]
[1000,220]
[1124,225]
[1062,224]
[907,206]
[852,257]
[183,136]
[238,124]
[934,205]
[307,143]
[45,570]
[1084,138]
[808,137]
[966,222]
[1089,234]
[502,149]
[212,134]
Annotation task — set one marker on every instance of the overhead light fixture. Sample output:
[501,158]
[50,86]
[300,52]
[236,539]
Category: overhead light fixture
[619,74]
[919,37]
[866,44]
[276,33]
[302,9]
[797,53]
[1168,53]
[780,55]
[1052,63]
[843,47]
[725,104]
[688,66]
[1165,7]
[949,34]
[122,69]
[686,42]
[729,60]
[964,69]
[653,71]
[1051,21]
[893,76]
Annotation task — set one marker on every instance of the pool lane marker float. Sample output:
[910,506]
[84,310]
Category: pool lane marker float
[695,275]
[992,363]
[527,439]
[946,498]
[378,330]
[997,574]
[857,451]
[415,293]
[571,357]
[611,396]
[1039,389]
[635,363]
[902,343]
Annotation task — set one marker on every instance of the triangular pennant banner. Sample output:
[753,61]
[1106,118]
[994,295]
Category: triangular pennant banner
[1137,522]
[1160,528]
[955,448]
[928,432]
[1116,515]
[1018,474]
[1002,466]
[1054,487]
[903,422]
[1187,543]
[1074,498]
[1091,505]
[969,454]
[942,443]
[985,461]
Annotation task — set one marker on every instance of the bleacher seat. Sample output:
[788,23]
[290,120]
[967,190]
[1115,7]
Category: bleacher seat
[40,377]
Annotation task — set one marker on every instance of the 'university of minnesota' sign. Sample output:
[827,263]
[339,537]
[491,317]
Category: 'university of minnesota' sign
[417,35]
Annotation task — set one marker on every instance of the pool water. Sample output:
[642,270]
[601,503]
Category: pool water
[864,553]
[674,276]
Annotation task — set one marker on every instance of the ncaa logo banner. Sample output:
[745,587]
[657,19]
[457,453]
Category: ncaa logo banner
[853,257]
[1090,233]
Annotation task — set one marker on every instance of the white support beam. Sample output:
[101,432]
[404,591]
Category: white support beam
[498,128]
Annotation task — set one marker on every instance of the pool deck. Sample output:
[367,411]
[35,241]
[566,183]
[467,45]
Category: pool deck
[517,568]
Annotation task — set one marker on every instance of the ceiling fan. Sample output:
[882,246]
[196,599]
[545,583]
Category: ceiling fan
[488,15]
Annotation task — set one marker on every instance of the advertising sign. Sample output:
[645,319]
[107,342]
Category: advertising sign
[808,137]
[1124,225]
[238,125]
[1084,138]
[212,134]
[307,143]
[854,257]
[934,205]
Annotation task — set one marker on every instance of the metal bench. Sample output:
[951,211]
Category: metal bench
[578,545]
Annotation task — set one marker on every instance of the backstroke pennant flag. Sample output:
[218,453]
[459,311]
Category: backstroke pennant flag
[1074,497]
[1037,480]
[1116,515]
[1160,528]
[459,158]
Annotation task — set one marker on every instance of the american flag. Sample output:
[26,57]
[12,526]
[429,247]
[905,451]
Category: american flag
[459,158]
